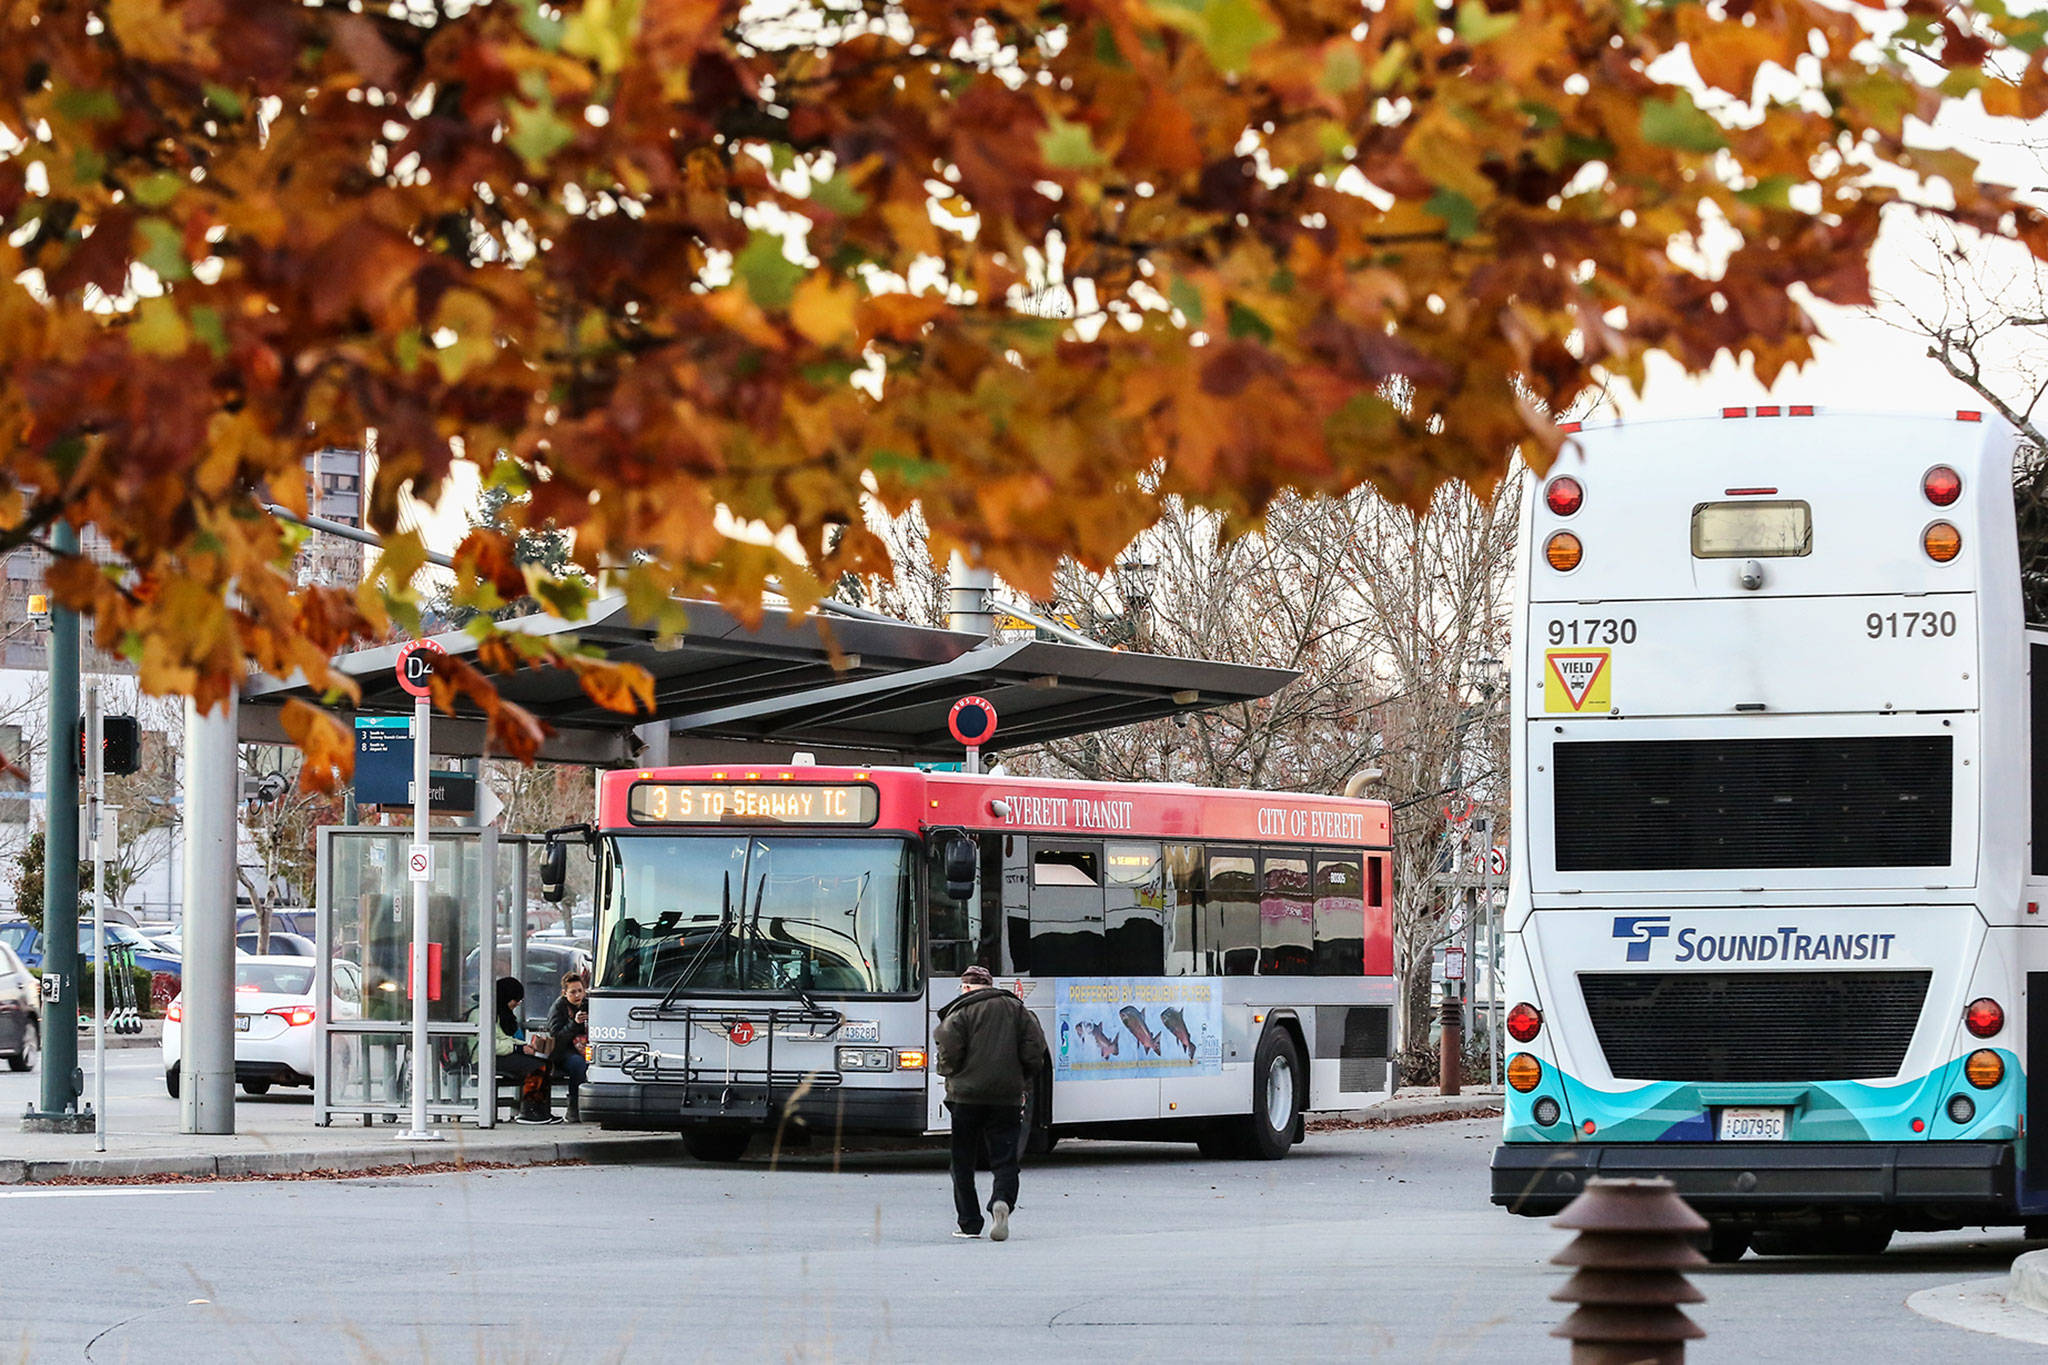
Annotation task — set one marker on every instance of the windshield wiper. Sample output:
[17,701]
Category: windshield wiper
[689,973]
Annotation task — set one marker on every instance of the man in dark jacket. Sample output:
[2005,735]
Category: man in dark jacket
[990,1049]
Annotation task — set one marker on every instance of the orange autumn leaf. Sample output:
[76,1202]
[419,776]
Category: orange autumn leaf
[328,745]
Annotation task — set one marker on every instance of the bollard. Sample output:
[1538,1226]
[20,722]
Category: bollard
[1450,1061]
[1635,1236]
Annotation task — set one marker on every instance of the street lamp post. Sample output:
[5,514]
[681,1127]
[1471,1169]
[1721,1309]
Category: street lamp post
[1136,579]
[1488,672]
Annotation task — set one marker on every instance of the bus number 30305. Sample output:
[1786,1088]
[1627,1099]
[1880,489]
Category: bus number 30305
[1893,625]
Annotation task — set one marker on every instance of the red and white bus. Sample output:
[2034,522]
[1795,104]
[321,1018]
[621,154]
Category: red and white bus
[774,943]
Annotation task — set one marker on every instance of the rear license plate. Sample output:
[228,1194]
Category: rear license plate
[1753,1125]
[242,1023]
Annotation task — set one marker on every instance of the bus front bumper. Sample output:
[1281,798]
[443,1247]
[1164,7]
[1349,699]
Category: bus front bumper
[825,1110]
[1765,1179]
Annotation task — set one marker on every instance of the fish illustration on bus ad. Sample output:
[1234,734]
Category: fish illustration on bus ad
[1133,1027]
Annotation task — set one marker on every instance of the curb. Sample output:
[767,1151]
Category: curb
[204,1166]
[2029,1282]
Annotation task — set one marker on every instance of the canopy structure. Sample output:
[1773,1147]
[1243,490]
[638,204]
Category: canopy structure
[872,691]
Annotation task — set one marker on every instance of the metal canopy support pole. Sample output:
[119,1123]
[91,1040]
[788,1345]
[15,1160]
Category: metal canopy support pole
[422,839]
[206,1084]
[60,863]
[95,798]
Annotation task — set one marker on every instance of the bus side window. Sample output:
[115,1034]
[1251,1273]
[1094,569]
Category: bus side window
[988,945]
[1016,892]
[1066,909]
[1232,924]
[1340,915]
[1134,913]
[954,932]
[1186,954]
[1285,943]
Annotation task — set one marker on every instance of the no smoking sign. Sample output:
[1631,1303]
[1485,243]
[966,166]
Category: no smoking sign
[419,863]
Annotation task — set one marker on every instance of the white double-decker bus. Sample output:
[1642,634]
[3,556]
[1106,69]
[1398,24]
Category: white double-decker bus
[1775,906]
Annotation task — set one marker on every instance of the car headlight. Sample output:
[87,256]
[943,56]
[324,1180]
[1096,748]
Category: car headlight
[866,1059]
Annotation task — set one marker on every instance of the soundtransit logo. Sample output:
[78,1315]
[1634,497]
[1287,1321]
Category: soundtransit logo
[1641,931]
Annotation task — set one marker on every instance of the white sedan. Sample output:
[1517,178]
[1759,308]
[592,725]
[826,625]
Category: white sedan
[273,1021]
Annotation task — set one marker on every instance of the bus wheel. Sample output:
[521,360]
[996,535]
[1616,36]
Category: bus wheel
[1038,1135]
[1217,1142]
[717,1144]
[1268,1131]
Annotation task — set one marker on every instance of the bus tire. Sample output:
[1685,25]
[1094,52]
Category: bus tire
[1268,1131]
[1039,1139]
[722,1145]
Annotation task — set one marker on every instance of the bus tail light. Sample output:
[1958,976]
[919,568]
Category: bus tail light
[1942,542]
[1984,1069]
[1524,1072]
[1564,496]
[1563,551]
[910,1059]
[1525,1021]
[1942,485]
[1545,1112]
[1984,1018]
[1961,1109]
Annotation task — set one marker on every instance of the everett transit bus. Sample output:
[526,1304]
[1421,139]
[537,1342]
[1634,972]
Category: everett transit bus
[1775,909]
[774,944]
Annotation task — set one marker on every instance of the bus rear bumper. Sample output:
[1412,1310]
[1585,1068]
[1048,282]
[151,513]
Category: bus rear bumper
[1918,1180]
[822,1111]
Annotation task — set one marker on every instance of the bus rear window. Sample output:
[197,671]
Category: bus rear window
[1752,530]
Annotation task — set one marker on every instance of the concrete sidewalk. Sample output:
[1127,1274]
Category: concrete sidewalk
[1414,1104]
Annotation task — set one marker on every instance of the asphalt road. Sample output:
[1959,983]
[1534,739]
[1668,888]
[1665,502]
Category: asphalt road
[1375,1245]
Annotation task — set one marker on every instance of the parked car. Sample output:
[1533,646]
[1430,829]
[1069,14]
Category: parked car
[27,942]
[291,921]
[21,1013]
[282,944]
[274,1016]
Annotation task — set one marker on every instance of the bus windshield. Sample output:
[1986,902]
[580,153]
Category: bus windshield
[724,914]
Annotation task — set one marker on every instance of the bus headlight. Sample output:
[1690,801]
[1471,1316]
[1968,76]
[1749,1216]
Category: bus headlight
[866,1059]
[1984,1069]
[609,1054]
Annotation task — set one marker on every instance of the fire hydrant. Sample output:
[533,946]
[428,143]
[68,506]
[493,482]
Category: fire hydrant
[1635,1236]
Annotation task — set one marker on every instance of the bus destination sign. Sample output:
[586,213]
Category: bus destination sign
[751,803]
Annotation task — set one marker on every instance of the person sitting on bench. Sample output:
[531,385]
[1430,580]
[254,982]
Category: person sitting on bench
[521,1058]
[569,1023]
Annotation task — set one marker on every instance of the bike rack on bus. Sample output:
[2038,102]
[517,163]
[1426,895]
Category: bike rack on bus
[811,1024]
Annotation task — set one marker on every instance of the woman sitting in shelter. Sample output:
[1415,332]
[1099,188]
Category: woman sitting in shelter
[521,1058]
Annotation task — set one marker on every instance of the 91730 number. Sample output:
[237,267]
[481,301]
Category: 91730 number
[1594,630]
[1901,625]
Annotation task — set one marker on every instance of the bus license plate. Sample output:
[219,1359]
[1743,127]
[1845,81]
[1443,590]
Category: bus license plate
[1753,1125]
[242,1023]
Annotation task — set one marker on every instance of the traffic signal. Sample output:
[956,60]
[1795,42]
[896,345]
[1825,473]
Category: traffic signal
[120,746]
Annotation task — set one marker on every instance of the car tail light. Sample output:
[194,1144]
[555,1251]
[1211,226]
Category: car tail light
[1942,542]
[1524,1072]
[1942,485]
[298,1016]
[1984,1069]
[1564,496]
[1563,551]
[1984,1018]
[176,1013]
[1525,1021]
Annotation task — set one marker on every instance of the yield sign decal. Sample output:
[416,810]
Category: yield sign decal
[1576,680]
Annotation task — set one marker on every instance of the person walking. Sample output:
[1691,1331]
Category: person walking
[990,1049]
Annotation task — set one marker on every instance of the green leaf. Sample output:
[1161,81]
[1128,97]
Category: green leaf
[537,135]
[602,31]
[510,476]
[1106,50]
[159,329]
[88,106]
[1184,296]
[1477,24]
[1390,65]
[908,469]
[1678,122]
[568,598]
[770,276]
[545,30]
[155,190]
[207,326]
[838,195]
[1068,146]
[1461,217]
[405,349]
[224,99]
[163,249]
[1235,29]
[1772,192]
[1343,71]
[1245,323]
[1364,423]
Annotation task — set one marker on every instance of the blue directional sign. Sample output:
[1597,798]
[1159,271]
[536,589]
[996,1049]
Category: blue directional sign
[383,760]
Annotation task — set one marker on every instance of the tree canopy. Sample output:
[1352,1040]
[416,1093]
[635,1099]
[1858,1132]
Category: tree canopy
[702,282]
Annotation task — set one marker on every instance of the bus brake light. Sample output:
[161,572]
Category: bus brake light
[1525,1021]
[1564,496]
[1942,485]
[1984,1018]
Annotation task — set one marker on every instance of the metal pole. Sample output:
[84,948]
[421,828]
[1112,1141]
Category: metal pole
[206,1064]
[60,865]
[95,788]
[422,836]
[1493,1052]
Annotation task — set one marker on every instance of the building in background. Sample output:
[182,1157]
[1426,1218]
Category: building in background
[335,489]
